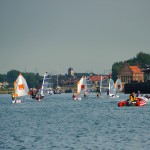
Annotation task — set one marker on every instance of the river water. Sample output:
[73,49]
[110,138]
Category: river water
[60,123]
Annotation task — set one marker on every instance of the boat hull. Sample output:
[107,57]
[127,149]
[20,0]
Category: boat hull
[77,98]
[140,102]
[16,101]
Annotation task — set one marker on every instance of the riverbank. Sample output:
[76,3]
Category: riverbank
[6,92]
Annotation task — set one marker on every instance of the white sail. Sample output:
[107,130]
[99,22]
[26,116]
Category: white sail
[118,85]
[107,85]
[104,85]
[82,85]
[45,84]
[20,88]
[89,85]
[112,90]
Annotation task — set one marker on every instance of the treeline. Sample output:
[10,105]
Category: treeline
[32,79]
[141,59]
[35,80]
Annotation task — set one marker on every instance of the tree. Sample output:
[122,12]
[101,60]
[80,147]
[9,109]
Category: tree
[116,68]
[143,59]
[33,80]
[3,77]
[12,76]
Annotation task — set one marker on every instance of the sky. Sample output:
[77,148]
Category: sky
[87,35]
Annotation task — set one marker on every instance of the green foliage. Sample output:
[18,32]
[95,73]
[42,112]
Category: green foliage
[3,77]
[116,67]
[141,59]
[12,76]
[33,80]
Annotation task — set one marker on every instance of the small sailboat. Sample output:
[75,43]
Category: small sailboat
[89,87]
[112,90]
[20,89]
[107,85]
[81,88]
[104,85]
[44,87]
[118,85]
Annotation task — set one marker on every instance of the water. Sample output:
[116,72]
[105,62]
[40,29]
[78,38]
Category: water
[60,123]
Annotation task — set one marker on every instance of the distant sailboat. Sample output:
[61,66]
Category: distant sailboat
[89,85]
[107,85]
[44,87]
[46,84]
[112,90]
[50,89]
[118,85]
[104,85]
[81,88]
[20,88]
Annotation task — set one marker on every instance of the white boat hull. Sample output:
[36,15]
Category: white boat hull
[77,98]
[16,101]
[113,96]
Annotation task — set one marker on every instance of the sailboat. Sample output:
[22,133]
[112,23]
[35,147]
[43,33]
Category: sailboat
[20,88]
[112,90]
[44,87]
[104,85]
[118,85]
[81,88]
[107,85]
[49,88]
[89,86]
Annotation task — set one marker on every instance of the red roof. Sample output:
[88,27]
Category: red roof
[98,78]
[135,69]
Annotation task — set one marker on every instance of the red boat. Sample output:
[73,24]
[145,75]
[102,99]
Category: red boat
[138,102]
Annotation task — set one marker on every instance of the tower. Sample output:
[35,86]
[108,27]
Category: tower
[70,71]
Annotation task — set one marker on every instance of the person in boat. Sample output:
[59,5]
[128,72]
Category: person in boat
[108,92]
[74,96]
[33,93]
[138,93]
[132,98]
[13,96]
[98,94]
[85,94]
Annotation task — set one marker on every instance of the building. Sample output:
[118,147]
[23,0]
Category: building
[131,73]
[71,72]
[146,71]
[3,84]
[96,79]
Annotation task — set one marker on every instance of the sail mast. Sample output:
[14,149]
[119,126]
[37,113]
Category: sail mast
[101,85]
[15,89]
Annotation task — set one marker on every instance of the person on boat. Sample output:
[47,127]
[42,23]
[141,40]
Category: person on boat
[74,96]
[138,93]
[85,94]
[33,94]
[13,96]
[132,98]
[108,92]
[98,94]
